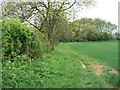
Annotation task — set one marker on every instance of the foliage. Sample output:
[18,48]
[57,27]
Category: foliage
[48,23]
[117,36]
[19,41]
[60,68]
[88,29]
[42,15]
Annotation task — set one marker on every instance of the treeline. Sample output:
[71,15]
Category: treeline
[88,29]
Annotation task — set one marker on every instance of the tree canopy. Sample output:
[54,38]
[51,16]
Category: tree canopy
[43,15]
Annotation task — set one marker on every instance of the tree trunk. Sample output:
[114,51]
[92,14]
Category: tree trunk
[51,40]
[52,44]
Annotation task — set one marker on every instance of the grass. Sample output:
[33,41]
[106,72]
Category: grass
[112,78]
[0,75]
[104,52]
[62,68]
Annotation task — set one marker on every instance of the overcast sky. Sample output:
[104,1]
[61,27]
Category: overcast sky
[104,9]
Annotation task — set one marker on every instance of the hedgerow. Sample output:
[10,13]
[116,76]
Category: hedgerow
[19,42]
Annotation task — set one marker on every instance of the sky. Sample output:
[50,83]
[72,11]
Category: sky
[104,9]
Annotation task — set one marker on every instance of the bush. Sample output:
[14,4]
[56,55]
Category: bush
[103,36]
[18,39]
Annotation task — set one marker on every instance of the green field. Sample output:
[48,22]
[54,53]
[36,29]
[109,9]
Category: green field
[62,68]
[103,52]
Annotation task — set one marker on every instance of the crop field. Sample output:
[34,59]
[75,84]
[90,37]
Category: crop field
[103,52]
[71,65]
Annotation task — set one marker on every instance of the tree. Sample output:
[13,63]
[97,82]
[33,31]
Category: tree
[117,36]
[42,15]
[88,29]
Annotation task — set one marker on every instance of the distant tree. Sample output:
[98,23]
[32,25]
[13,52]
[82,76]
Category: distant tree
[88,29]
[117,36]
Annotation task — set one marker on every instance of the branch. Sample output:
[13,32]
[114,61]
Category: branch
[69,6]
[42,24]
[42,3]
[32,24]
[39,11]
[61,6]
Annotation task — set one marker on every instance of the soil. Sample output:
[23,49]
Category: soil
[98,69]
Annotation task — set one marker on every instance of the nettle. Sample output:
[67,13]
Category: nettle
[18,41]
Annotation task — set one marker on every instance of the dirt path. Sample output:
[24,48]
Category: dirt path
[83,65]
[99,69]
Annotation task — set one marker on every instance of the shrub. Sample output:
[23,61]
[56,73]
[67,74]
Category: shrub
[18,39]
